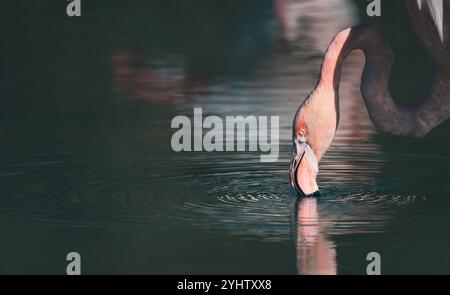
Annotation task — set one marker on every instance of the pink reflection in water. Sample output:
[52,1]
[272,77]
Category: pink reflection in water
[136,78]
[316,255]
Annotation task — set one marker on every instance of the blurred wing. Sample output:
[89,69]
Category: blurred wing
[436,8]
[419,2]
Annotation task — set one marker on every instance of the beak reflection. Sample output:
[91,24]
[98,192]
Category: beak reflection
[316,255]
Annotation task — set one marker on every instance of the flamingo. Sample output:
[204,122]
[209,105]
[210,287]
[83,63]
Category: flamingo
[317,118]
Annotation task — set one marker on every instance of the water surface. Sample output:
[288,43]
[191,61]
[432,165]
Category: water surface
[86,163]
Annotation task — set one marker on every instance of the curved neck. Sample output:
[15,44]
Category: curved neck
[384,112]
[376,50]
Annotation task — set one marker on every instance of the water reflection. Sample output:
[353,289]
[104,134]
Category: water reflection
[163,80]
[316,255]
[307,22]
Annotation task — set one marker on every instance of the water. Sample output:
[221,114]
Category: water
[86,163]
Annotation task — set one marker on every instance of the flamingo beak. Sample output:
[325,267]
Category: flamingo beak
[304,170]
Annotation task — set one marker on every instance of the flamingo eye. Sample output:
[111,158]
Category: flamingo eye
[301,133]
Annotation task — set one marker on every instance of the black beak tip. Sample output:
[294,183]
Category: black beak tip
[296,185]
[316,194]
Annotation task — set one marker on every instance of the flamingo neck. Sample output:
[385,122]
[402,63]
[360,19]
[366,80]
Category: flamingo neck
[375,78]
[385,114]
[330,74]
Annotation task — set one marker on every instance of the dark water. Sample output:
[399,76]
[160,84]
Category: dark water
[86,163]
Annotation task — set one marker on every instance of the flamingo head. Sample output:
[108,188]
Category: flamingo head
[313,131]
